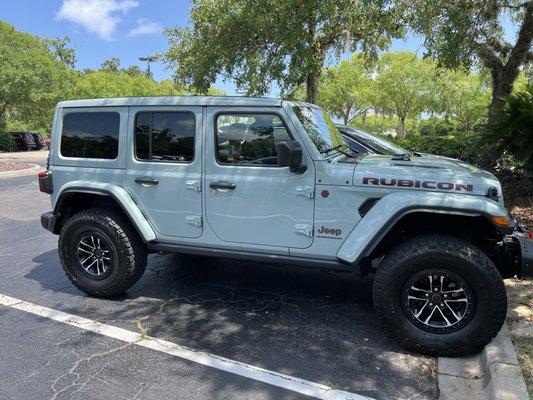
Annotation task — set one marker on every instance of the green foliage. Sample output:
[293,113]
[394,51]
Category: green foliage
[512,128]
[32,80]
[346,89]
[255,42]
[405,85]
[6,141]
[466,32]
[461,147]
[383,124]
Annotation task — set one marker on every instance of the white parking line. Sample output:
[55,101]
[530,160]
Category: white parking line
[211,360]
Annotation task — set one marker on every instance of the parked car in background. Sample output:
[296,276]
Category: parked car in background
[39,141]
[363,142]
[24,141]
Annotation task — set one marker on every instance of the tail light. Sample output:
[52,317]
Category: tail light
[45,182]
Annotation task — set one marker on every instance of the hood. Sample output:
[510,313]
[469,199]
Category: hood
[429,173]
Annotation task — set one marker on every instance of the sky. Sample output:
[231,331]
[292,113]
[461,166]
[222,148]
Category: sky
[126,29]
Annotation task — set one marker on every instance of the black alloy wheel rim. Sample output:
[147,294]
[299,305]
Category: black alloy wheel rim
[438,301]
[95,255]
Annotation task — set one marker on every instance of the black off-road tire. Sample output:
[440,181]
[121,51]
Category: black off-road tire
[129,260]
[450,255]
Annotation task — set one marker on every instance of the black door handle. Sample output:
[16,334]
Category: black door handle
[146,181]
[222,185]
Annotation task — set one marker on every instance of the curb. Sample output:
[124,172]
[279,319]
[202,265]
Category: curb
[492,374]
[21,172]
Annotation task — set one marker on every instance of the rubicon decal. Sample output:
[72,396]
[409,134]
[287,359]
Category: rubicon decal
[409,183]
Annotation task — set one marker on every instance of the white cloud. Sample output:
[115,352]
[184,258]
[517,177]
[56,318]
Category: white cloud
[146,27]
[97,16]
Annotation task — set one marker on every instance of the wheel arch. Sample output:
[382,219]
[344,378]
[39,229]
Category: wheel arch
[75,198]
[399,216]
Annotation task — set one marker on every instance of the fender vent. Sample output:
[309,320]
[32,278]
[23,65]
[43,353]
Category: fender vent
[367,205]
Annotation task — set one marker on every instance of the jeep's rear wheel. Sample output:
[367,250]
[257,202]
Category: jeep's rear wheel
[440,295]
[101,253]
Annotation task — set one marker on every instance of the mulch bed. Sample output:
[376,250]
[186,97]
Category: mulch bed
[6,166]
[517,194]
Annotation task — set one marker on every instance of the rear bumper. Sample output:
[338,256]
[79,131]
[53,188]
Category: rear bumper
[525,239]
[48,221]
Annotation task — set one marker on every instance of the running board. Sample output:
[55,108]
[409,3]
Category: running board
[250,256]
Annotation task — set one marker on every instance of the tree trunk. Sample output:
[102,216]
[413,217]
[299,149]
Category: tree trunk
[401,129]
[502,85]
[311,88]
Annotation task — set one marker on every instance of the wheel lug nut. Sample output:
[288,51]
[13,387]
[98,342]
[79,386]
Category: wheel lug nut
[431,304]
[427,294]
[445,295]
[436,289]
[442,304]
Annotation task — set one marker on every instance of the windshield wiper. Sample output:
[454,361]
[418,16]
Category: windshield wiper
[338,149]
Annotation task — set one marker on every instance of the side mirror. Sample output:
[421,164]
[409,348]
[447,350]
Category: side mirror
[290,155]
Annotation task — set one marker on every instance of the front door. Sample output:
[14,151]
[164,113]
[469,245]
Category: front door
[249,199]
[164,167]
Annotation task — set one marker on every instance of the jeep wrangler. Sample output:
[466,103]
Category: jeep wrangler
[273,181]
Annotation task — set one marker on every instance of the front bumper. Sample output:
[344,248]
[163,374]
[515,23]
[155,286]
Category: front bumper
[525,239]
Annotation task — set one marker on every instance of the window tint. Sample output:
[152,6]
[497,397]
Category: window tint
[90,135]
[249,139]
[164,136]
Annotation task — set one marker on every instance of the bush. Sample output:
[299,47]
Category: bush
[436,127]
[6,142]
[463,147]
[512,129]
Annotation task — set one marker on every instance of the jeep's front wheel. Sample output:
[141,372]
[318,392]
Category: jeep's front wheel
[440,295]
[101,253]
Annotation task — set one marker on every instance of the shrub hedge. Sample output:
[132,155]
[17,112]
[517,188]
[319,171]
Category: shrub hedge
[6,141]
[463,147]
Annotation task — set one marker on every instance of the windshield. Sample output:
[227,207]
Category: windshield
[376,143]
[320,128]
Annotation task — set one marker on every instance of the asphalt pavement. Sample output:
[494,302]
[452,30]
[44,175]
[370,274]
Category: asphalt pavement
[308,324]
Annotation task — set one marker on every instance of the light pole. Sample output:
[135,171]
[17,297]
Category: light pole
[148,60]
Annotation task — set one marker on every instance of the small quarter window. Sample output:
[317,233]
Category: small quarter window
[249,139]
[164,136]
[90,135]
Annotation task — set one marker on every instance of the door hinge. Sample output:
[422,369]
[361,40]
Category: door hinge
[193,185]
[307,191]
[304,230]
[194,220]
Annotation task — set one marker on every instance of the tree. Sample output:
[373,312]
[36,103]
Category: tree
[63,51]
[32,80]
[345,90]
[111,65]
[462,32]
[461,96]
[256,42]
[405,85]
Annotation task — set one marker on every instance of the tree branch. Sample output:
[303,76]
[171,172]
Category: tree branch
[523,41]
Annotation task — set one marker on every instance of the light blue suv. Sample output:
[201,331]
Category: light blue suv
[273,181]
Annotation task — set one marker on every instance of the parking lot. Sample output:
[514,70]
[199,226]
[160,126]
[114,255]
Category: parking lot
[313,327]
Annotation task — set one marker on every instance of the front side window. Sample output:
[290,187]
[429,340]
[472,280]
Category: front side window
[164,136]
[90,135]
[249,139]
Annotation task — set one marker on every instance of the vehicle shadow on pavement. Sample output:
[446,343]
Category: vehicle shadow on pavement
[311,324]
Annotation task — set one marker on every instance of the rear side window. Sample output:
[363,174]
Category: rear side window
[164,136]
[249,139]
[90,135]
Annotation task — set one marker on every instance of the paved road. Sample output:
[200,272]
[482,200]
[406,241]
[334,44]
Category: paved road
[308,324]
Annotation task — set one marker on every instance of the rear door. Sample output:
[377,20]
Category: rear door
[249,198]
[164,167]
